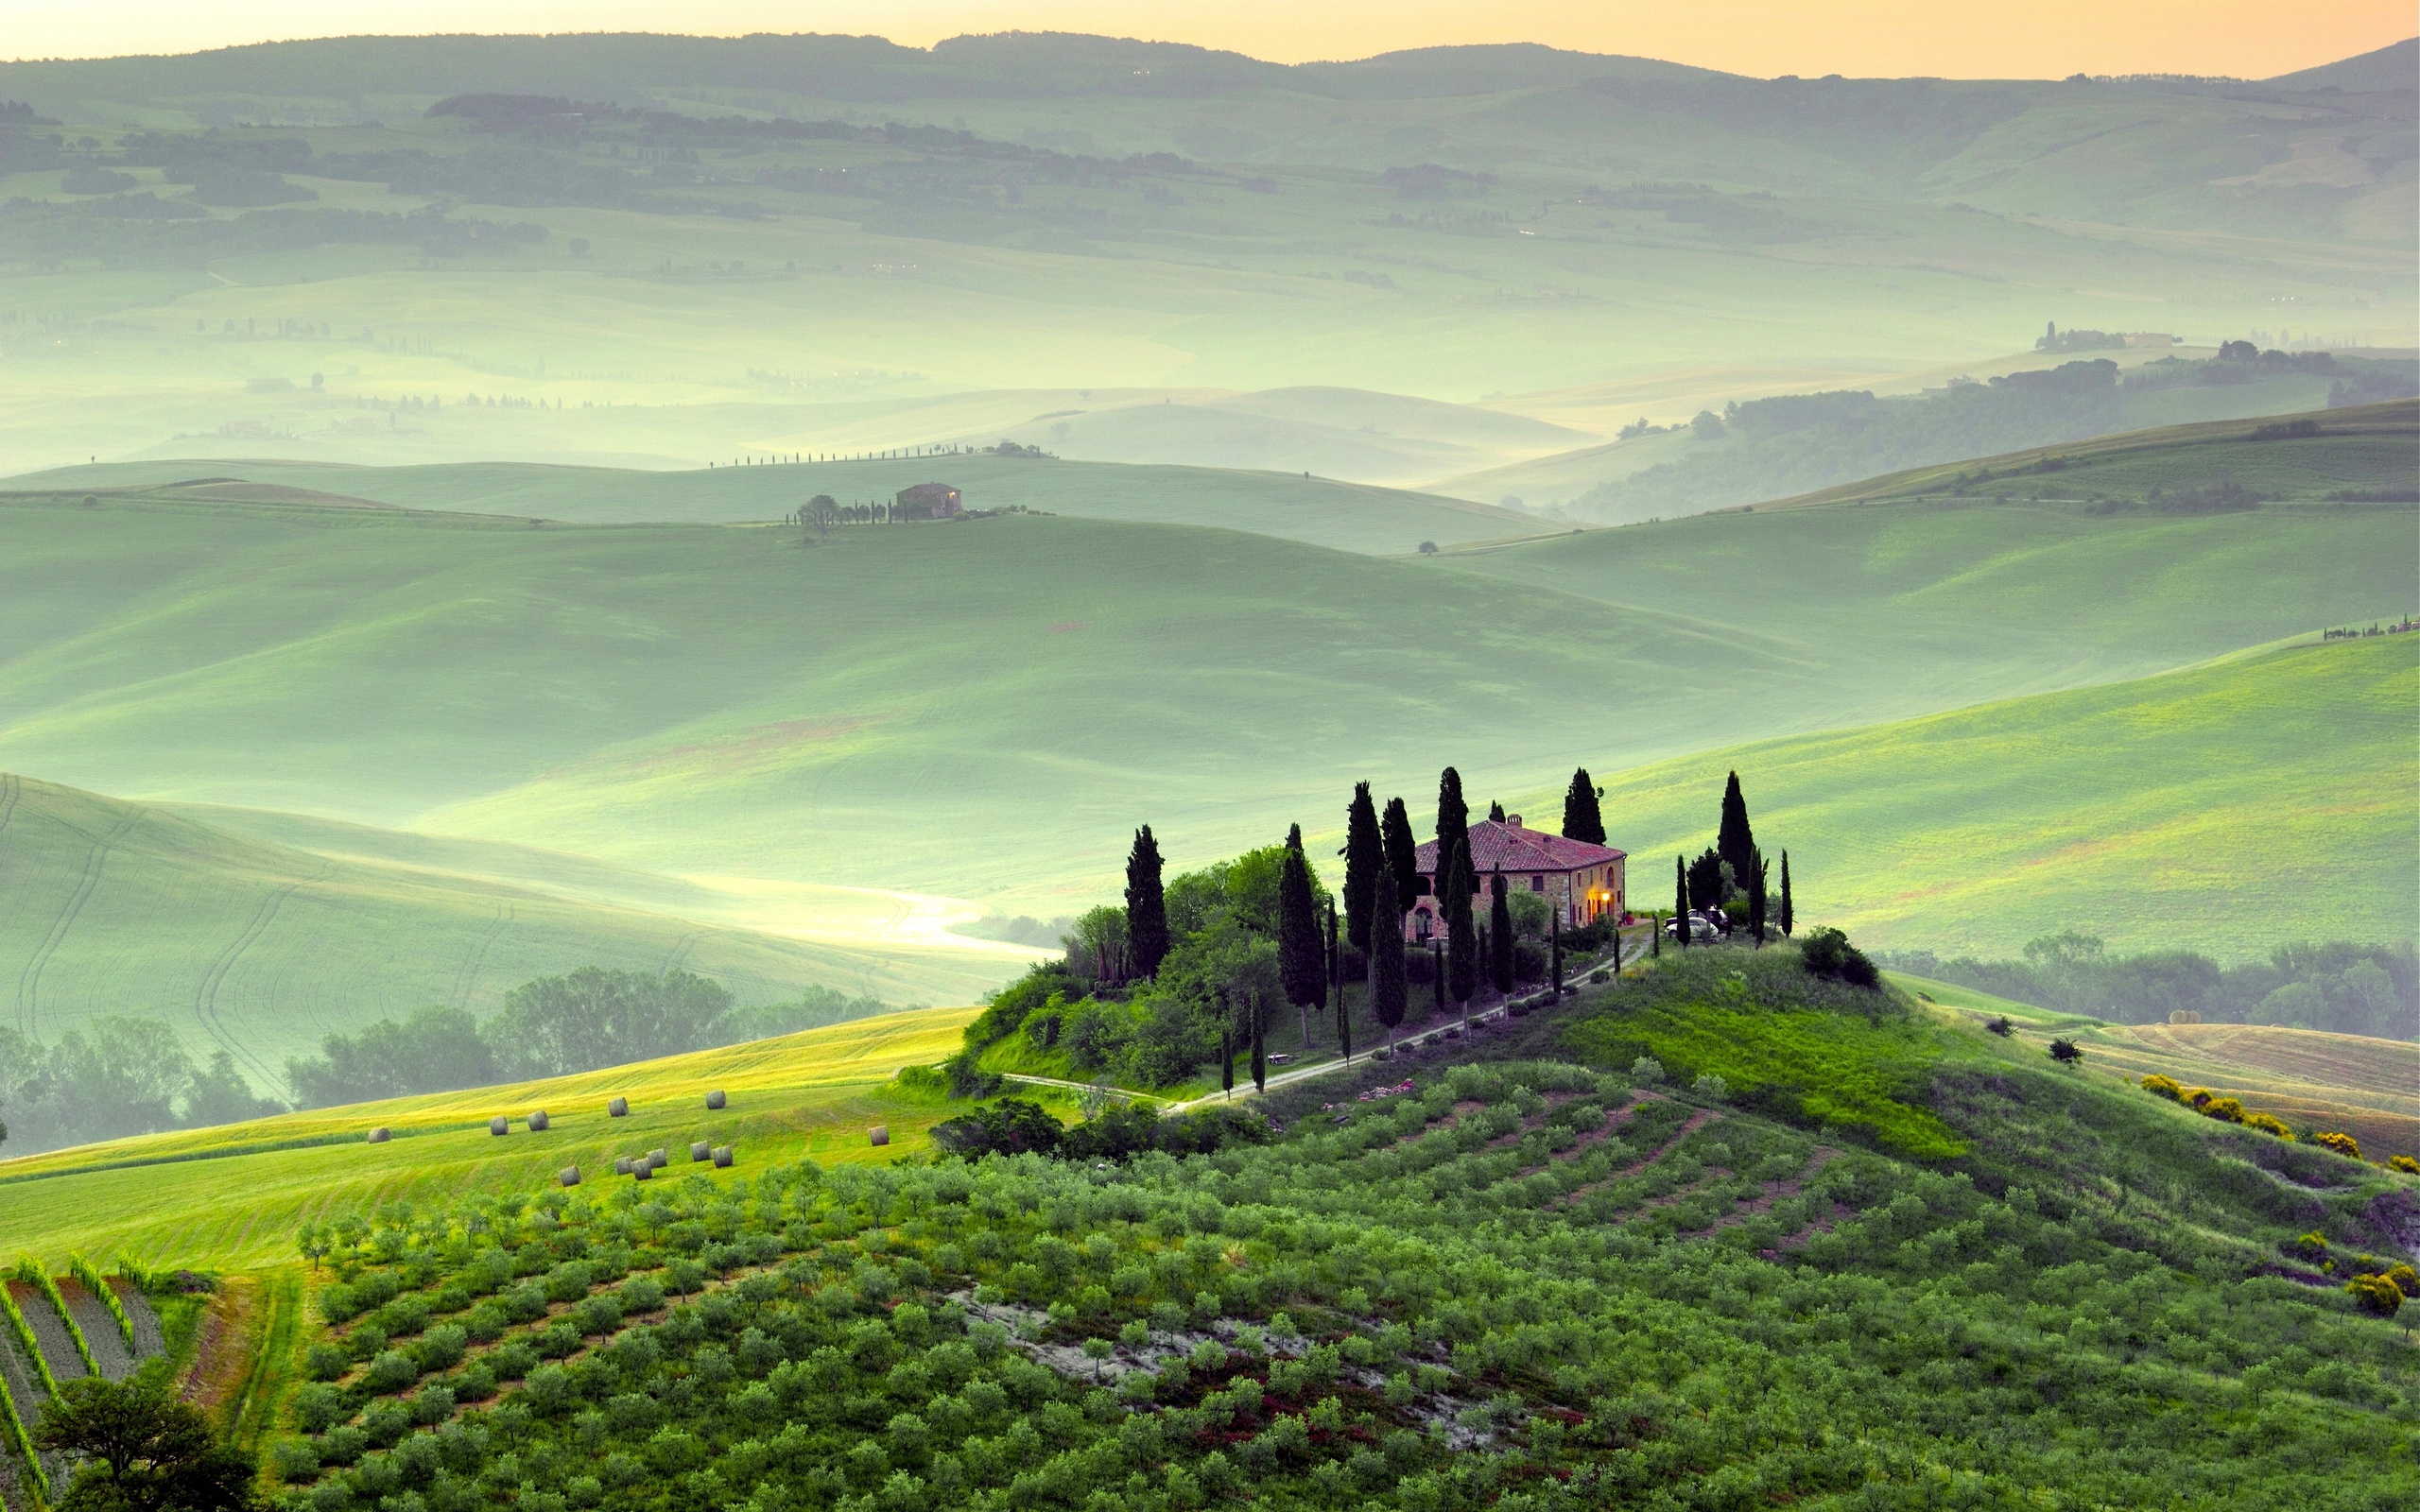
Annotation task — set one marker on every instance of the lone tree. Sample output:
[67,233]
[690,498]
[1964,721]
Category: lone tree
[1461,929]
[1365,866]
[1500,937]
[1581,818]
[1403,859]
[1388,968]
[1302,966]
[143,1450]
[1735,842]
[1147,909]
[1787,920]
[1680,901]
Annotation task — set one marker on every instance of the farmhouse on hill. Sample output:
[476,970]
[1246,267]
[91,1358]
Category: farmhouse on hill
[927,501]
[1580,880]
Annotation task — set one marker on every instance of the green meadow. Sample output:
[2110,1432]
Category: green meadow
[1321,511]
[2224,808]
[230,1197]
[261,947]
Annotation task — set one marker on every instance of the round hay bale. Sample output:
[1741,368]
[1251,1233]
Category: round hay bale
[569,1176]
[618,1108]
[499,1125]
[702,1150]
[878,1135]
[716,1101]
[538,1121]
[723,1157]
[622,1165]
[380,1135]
[643,1170]
[655,1160]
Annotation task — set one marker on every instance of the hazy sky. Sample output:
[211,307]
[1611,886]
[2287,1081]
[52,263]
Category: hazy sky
[1973,38]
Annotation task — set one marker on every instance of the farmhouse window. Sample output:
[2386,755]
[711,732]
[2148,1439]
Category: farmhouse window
[1537,883]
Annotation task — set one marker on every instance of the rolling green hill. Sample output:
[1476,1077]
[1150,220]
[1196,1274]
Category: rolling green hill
[2224,808]
[987,709]
[264,947]
[1348,516]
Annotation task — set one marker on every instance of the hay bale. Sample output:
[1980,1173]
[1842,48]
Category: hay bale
[878,1135]
[723,1157]
[380,1135]
[643,1170]
[716,1101]
[702,1150]
[538,1121]
[499,1125]
[655,1160]
[622,1164]
[618,1108]
[569,1176]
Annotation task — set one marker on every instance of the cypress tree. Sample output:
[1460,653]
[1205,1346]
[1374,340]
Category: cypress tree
[1453,821]
[1403,858]
[1461,929]
[1260,1011]
[1386,970]
[1300,969]
[1787,920]
[1344,1015]
[1681,901]
[1147,909]
[1581,818]
[1365,864]
[1757,901]
[1496,811]
[1500,937]
[1735,842]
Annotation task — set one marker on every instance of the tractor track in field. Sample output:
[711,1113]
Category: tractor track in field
[677,956]
[467,978]
[10,786]
[206,995]
[29,980]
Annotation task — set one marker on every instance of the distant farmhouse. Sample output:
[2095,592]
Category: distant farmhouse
[1580,880]
[927,501]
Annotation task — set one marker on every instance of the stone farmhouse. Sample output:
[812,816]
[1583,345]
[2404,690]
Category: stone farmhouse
[1582,881]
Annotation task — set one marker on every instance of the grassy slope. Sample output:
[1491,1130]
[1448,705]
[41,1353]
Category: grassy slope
[110,907]
[2221,808]
[702,699]
[1350,516]
[2369,447]
[216,1197]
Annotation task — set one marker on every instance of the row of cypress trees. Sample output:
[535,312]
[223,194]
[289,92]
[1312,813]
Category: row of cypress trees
[1381,885]
[1734,853]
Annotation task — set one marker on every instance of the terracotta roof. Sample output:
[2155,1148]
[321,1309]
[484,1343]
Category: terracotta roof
[1511,847]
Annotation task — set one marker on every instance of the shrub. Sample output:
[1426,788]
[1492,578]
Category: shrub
[2064,1052]
[296,1461]
[2405,1278]
[2267,1124]
[2344,1144]
[391,1371]
[2312,1247]
[2376,1293]
[2159,1086]
[2225,1109]
[1826,952]
[2403,1163]
[2002,1027]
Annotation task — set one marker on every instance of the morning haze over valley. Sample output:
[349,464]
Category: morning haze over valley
[1352,763]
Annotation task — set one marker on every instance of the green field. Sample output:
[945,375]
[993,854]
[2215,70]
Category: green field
[264,947]
[230,1197]
[2224,808]
[985,710]
[1347,516]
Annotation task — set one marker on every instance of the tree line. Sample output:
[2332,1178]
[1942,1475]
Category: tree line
[2337,986]
[121,1075]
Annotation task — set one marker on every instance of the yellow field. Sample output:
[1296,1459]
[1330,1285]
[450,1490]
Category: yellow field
[230,1197]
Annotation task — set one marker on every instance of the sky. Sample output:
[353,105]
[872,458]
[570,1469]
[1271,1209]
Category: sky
[1978,39]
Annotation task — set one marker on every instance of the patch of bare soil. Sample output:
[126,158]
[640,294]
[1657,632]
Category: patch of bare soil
[224,1345]
[100,1330]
